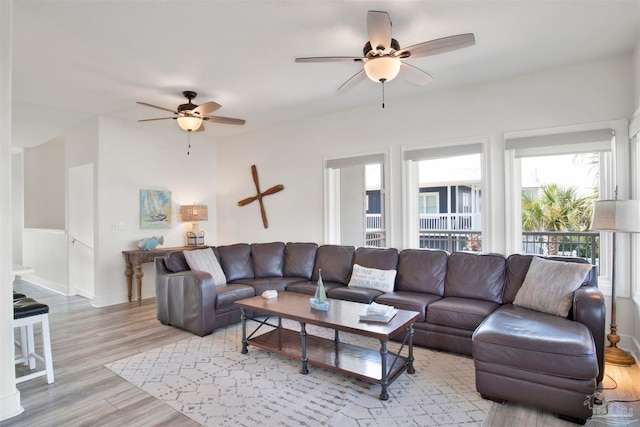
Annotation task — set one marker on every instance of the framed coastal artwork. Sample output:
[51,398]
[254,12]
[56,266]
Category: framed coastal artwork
[155,209]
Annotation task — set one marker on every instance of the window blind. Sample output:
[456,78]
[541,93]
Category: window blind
[442,152]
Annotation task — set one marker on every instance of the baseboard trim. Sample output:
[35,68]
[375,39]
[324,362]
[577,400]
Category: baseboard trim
[47,284]
[10,405]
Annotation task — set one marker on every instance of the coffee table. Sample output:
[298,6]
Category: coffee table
[374,366]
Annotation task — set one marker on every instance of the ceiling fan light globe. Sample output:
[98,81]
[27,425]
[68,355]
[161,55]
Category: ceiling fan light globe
[384,68]
[189,123]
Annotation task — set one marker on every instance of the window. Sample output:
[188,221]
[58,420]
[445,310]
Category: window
[444,210]
[355,212]
[555,178]
[429,203]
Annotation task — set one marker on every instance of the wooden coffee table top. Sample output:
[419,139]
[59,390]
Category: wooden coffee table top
[342,315]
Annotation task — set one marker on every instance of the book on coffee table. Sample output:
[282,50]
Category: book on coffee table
[378,313]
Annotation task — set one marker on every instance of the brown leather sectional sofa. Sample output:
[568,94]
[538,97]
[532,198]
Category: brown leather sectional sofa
[464,300]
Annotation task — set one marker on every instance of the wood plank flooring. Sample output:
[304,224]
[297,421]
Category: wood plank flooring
[85,393]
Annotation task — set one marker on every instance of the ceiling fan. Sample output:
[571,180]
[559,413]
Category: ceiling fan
[383,58]
[190,116]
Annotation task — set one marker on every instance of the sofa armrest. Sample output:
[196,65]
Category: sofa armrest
[186,299]
[589,309]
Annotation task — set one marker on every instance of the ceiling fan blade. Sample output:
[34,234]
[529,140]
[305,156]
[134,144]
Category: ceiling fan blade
[330,59]
[256,181]
[273,190]
[247,200]
[356,78]
[161,118]
[155,106]
[225,120]
[206,108]
[415,75]
[264,214]
[434,47]
[379,29]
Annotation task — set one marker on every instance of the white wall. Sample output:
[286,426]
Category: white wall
[44,185]
[134,157]
[129,157]
[291,154]
[9,394]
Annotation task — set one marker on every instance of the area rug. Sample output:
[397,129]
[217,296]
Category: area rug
[210,381]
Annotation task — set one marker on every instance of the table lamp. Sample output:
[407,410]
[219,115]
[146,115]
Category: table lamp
[193,214]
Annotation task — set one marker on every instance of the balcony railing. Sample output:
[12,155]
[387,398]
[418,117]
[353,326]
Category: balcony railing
[451,241]
[577,244]
[451,221]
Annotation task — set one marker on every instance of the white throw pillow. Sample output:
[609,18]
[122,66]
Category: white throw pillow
[372,278]
[205,260]
[549,285]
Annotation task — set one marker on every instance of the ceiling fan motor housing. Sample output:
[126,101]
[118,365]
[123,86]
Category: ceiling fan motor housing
[189,94]
[186,107]
[367,49]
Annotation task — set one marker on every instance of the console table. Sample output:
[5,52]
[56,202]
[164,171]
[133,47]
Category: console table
[135,258]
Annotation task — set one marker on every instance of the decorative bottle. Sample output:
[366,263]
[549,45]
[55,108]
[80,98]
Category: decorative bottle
[320,293]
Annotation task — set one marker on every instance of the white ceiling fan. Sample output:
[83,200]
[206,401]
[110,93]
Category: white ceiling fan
[383,58]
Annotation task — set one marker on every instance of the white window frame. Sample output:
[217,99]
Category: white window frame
[411,155]
[634,132]
[613,171]
[331,168]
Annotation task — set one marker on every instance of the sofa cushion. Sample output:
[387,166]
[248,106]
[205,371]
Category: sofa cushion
[267,259]
[372,278]
[175,262]
[526,339]
[236,261]
[460,313]
[422,270]
[205,260]
[227,295]
[335,263]
[475,276]
[268,283]
[365,296]
[299,259]
[518,265]
[308,287]
[549,286]
[406,300]
[382,259]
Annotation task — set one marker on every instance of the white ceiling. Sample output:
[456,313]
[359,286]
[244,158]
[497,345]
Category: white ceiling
[76,59]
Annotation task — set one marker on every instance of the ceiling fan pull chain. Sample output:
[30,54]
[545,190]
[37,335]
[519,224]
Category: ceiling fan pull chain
[188,142]
[382,81]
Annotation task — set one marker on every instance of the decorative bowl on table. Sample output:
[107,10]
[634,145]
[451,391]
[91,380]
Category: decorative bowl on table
[316,304]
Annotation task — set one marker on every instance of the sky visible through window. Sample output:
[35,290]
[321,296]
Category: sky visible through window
[579,171]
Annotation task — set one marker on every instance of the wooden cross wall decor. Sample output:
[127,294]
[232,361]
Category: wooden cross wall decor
[259,195]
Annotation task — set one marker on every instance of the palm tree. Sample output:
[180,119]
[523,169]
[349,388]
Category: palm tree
[556,209]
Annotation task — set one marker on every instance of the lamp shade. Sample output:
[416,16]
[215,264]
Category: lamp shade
[383,68]
[189,123]
[194,213]
[616,215]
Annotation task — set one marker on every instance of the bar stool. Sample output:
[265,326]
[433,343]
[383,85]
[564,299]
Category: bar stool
[26,313]
[23,331]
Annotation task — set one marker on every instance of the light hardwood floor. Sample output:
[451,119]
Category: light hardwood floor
[85,393]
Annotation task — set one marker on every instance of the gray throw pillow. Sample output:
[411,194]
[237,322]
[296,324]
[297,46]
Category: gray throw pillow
[549,285]
[205,260]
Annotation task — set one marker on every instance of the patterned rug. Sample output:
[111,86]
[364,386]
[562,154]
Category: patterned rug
[210,381]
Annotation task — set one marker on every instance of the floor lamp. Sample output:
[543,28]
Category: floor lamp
[616,216]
